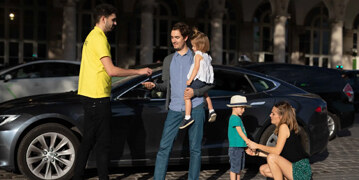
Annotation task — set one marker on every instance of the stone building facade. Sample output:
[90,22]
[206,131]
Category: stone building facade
[313,32]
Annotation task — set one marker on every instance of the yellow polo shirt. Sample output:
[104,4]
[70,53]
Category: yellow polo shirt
[94,82]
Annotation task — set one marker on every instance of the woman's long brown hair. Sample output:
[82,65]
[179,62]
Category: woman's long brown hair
[288,116]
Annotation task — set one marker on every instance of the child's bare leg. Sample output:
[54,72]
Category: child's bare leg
[209,102]
[188,107]
[187,119]
[212,114]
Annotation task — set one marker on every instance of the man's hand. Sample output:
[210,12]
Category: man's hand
[149,85]
[146,71]
[188,93]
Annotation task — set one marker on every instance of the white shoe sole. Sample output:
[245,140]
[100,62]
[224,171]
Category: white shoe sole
[212,118]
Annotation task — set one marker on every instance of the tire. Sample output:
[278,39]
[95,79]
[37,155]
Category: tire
[48,151]
[268,138]
[333,125]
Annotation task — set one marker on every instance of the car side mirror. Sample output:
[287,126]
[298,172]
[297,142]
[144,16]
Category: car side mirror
[7,78]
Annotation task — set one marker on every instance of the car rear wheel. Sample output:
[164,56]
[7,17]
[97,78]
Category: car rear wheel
[268,138]
[333,123]
[48,152]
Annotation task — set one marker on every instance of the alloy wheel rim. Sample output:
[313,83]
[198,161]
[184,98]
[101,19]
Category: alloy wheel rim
[50,155]
[331,125]
[272,140]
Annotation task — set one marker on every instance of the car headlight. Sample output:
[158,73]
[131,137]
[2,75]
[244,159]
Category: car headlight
[7,118]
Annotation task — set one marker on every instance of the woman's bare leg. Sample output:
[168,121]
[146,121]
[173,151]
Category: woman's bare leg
[265,171]
[280,167]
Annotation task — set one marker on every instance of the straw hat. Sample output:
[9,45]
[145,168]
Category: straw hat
[238,100]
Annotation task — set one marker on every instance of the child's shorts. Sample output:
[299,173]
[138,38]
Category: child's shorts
[236,159]
[196,84]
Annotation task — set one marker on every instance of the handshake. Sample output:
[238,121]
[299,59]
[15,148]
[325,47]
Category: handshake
[252,148]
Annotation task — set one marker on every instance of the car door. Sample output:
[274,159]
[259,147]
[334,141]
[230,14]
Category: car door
[137,123]
[227,84]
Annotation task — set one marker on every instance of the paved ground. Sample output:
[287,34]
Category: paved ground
[340,161]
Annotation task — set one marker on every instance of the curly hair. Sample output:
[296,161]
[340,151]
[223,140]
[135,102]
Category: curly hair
[200,40]
[288,116]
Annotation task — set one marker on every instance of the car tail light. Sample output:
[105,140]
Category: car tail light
[318,109]
[348,91]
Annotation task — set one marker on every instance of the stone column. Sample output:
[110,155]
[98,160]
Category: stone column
[280,12]
[69,30]
[217,30]
[336,10]
[146,52]
[279,40]
[336,44]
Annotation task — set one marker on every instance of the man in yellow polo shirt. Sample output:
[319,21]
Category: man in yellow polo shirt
[95,87]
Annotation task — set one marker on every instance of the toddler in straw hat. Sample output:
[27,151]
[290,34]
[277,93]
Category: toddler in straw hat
[237,136]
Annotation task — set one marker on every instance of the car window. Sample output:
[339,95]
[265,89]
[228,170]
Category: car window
[45,70]
[228,83]
[60,70]
[30,71]
[261,84]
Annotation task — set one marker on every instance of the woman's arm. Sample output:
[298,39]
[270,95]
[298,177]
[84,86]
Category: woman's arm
[283,134]
[197,59]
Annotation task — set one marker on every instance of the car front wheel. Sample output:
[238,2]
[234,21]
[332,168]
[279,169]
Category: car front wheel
[48,152]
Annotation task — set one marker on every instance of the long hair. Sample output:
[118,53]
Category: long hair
[288,116]
[200,40]
[104,10]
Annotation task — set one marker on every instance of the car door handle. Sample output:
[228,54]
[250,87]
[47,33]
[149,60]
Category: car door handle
[259,103]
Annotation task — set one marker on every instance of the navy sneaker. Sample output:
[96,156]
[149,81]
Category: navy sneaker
[186,123]
[212,116]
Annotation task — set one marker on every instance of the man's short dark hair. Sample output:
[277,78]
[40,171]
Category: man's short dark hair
[104,10]
[183,28]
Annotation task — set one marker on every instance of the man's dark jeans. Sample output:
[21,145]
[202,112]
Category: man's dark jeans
[96,134]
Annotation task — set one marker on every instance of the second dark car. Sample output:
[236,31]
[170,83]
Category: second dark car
[40,134]
[325,82]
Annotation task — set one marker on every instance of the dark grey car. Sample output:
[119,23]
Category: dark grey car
[325,82]
[40,134]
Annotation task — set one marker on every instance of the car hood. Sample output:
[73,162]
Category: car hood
[44,99]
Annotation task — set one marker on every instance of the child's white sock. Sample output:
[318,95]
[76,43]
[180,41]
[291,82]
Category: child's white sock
[211,110]
[187,117]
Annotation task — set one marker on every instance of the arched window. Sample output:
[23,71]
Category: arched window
[86,22]
[356,35]
[230,29]
[165,15]
[315,42]
[263,33]
[230,35]
[23,31]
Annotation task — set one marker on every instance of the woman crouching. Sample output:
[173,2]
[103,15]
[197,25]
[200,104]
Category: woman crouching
[287,159]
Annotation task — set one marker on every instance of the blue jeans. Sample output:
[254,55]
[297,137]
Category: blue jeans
[170,130]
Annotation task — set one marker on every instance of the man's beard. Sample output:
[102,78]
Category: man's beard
[179,48]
